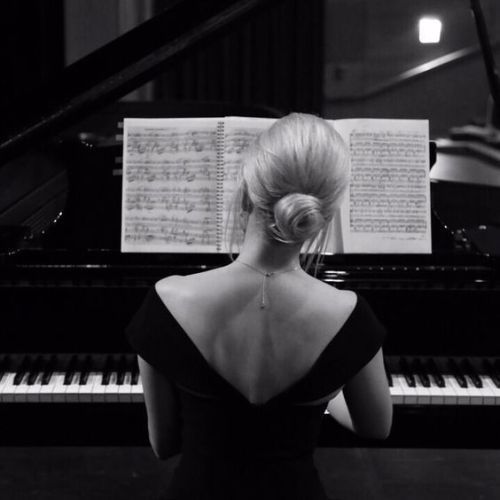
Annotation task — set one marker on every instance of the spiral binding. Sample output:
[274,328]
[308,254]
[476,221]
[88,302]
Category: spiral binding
[220,184]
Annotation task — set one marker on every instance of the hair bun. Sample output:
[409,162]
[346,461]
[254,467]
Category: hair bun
[297,218]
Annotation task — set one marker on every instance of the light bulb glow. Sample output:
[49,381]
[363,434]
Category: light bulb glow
[429,30]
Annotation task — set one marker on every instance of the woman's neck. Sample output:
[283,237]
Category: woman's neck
[264,254]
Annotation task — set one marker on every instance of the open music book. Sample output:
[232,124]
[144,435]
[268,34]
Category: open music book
[179,177]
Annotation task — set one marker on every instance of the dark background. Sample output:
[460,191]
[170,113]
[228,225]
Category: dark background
[337,58]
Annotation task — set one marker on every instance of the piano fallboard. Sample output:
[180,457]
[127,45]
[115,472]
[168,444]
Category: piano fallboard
[65,302]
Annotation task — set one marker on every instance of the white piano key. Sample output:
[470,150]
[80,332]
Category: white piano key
[21,390]
[58,388]
[423,393]
[72,389]
[437,394]
[410,394]
[397,393]
[476,394]
[7,388]
[450,395]
[125,390]
[463,395]
[492,392]
[98,389]
[33,392]
[85,390]
[46,392]
[137,392]
[111,390]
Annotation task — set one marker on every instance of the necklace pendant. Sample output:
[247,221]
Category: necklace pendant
[265,274]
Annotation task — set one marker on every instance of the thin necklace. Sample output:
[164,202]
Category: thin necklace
[266,276]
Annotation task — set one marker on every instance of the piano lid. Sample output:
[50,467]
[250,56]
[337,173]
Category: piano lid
[119,67]
[489,60]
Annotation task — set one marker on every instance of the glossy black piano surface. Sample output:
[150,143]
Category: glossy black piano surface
[57,303]
[67,293]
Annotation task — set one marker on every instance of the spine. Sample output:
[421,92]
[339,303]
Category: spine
[220,183]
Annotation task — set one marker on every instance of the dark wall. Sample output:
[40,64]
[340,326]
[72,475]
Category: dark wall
[304,56]
[454,95]
[274,59]
[368,43]
[31,46]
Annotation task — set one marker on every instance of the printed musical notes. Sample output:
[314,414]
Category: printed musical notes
[169,185]
[388,205]
[239,135]
[154,142]
[180,177]
[170,231]
[170,199]
[181,170]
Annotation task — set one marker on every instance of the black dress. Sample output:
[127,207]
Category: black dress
[231,448]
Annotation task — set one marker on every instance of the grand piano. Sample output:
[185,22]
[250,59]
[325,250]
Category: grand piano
[67,374]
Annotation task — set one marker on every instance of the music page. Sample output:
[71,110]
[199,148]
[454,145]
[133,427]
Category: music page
[169,185]
[239,134]
[387,206]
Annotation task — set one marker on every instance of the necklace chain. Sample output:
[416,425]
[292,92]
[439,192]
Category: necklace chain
[266,275]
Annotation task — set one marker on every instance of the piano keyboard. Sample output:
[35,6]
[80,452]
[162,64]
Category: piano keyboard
[101,378]
[444,381]
[70,379]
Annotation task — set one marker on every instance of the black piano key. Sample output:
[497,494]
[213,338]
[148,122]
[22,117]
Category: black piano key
[85,369]
[496,368]
[35,370]
[79,367]
[456,372]
[38,379]
[121,369]
[134,368]
[471,372]
[435,374]
[493,371]
[388,375]
[4,366]
[418,368]
[22,370]
[70,370]
[30,373]
[108,369]
[405,370]
[49,369]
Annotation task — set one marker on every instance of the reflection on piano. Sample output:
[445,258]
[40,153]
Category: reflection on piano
[66,294]
[467,171]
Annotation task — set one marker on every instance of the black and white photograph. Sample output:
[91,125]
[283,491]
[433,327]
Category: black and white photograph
[250,250]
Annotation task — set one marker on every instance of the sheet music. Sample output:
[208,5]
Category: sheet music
[387,208]
[239,134]
[169,185]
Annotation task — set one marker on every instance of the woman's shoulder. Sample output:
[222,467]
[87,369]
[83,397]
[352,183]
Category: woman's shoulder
[168,284]
[177,283]
[330,298]
[177,291]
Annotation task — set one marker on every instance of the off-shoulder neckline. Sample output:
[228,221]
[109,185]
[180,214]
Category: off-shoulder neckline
[283,393]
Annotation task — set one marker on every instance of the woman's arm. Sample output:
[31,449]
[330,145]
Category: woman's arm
[163,411]
[364,406]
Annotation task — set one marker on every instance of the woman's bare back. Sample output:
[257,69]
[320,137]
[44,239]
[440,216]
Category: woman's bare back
[260,352]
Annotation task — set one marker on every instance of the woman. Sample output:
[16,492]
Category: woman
[239,363]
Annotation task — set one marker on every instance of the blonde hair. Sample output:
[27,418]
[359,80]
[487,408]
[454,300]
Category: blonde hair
[294,177]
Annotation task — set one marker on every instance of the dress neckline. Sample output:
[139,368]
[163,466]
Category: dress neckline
[283,393]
